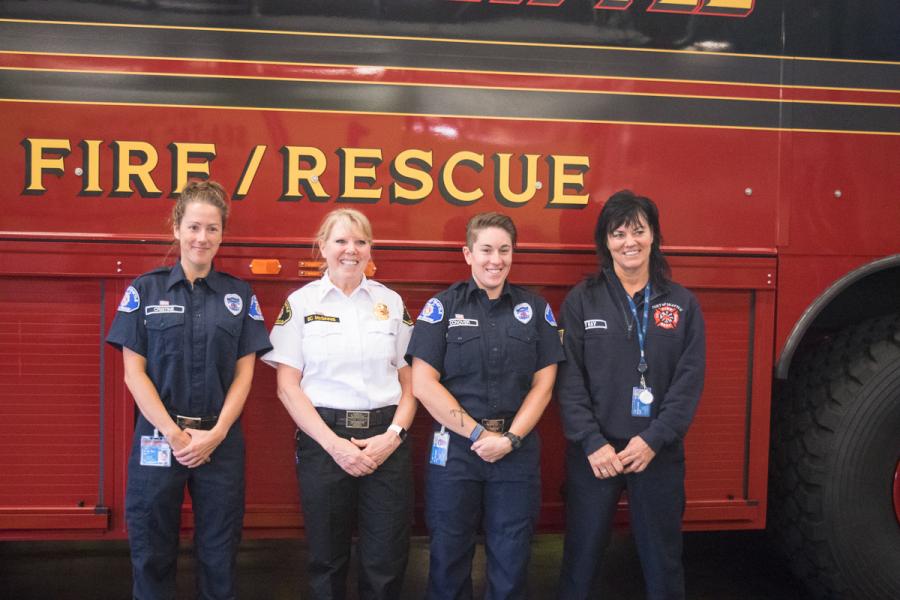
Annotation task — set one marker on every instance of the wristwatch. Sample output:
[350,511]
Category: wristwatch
[515,440]
[401,433]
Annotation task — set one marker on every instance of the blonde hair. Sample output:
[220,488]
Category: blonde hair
[354,218]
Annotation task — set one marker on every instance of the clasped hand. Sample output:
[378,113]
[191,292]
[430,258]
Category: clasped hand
[634,458]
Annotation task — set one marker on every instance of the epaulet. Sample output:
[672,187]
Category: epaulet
[458,285]
[375,283]
[157,271]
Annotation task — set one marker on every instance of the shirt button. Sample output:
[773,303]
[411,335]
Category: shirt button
[494,349]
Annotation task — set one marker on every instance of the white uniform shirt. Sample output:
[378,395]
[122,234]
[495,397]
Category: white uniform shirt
[348,348]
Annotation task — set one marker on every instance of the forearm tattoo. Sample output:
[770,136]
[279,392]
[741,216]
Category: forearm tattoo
[458,411]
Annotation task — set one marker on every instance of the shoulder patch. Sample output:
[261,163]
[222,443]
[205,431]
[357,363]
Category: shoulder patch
[285,315]
[432,312]
[407,320]
[523,312]
[233,303]
[131,301]
[254,312]
[548,316]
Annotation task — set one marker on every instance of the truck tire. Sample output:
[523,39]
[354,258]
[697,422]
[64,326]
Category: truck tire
[835,449]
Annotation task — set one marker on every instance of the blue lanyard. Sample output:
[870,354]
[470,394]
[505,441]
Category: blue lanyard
[641,327]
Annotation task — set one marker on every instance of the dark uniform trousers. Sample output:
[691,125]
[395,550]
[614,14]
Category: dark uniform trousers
[509,491]
[656,506]
[153,513]
[381,506]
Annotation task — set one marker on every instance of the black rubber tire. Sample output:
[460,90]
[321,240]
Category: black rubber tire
[835,447]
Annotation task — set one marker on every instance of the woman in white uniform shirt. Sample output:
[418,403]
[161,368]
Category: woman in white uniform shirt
[338,345]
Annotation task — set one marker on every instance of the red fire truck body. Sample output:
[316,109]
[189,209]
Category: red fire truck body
[773,159]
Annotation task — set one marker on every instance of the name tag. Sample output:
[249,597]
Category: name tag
[462,323]
[156,309]
[594,324]
[324,318]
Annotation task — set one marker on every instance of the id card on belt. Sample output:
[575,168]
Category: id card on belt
[439,448]
[155,451]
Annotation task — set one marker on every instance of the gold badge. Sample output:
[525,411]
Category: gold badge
[381,311]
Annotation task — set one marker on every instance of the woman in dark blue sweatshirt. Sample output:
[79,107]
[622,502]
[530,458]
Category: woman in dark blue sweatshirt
[635,349]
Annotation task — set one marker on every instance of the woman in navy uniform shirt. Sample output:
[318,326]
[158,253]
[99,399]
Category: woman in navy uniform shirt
[189,336]
[635,358]
[484,362]
[339,346]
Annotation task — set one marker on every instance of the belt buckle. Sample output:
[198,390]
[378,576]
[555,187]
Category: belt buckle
[494,425]
[187,422]
[356,419]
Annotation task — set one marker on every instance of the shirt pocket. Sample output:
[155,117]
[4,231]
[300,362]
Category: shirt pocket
[321,340]
[463,355]
[165,334]
[381,340]
[521,354]
[227,336]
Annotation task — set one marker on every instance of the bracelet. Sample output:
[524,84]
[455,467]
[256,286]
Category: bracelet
[515,440]
[476,433]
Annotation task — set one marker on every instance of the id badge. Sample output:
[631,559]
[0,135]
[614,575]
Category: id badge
[640,407]
[439,448]
[155,451]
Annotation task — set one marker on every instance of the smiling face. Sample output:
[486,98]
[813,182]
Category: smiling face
[346,251]
[490,258]
[199,235]
[630,245]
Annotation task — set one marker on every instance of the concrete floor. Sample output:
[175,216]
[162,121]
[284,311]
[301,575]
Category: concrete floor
[720,566]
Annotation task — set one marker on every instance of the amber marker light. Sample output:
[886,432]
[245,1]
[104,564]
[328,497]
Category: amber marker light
[265,266]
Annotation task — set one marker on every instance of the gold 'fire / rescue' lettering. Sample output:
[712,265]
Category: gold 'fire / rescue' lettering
[461,179]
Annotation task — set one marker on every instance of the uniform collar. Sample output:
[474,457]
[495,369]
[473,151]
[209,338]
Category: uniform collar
[656,290]
[213,279]
[472,287]
[328,286]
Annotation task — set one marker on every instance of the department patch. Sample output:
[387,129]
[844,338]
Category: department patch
[131,301]
[285,315]
[594,324]
[320,317]
[254,312]
[666,315]
[432,312]
[407,320]
[458,322]
[548,316]
[156,309]
[523,312]
[233,303]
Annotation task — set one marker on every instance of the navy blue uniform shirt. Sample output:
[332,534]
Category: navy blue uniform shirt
[191,336]
[594,385]
[487,351]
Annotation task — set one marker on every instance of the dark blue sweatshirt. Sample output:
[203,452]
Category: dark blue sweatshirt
[594,385]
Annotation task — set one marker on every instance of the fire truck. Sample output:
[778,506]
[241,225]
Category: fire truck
[768,131]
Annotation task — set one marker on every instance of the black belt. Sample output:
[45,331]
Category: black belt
[206,423]
[357,419]
[498,425]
